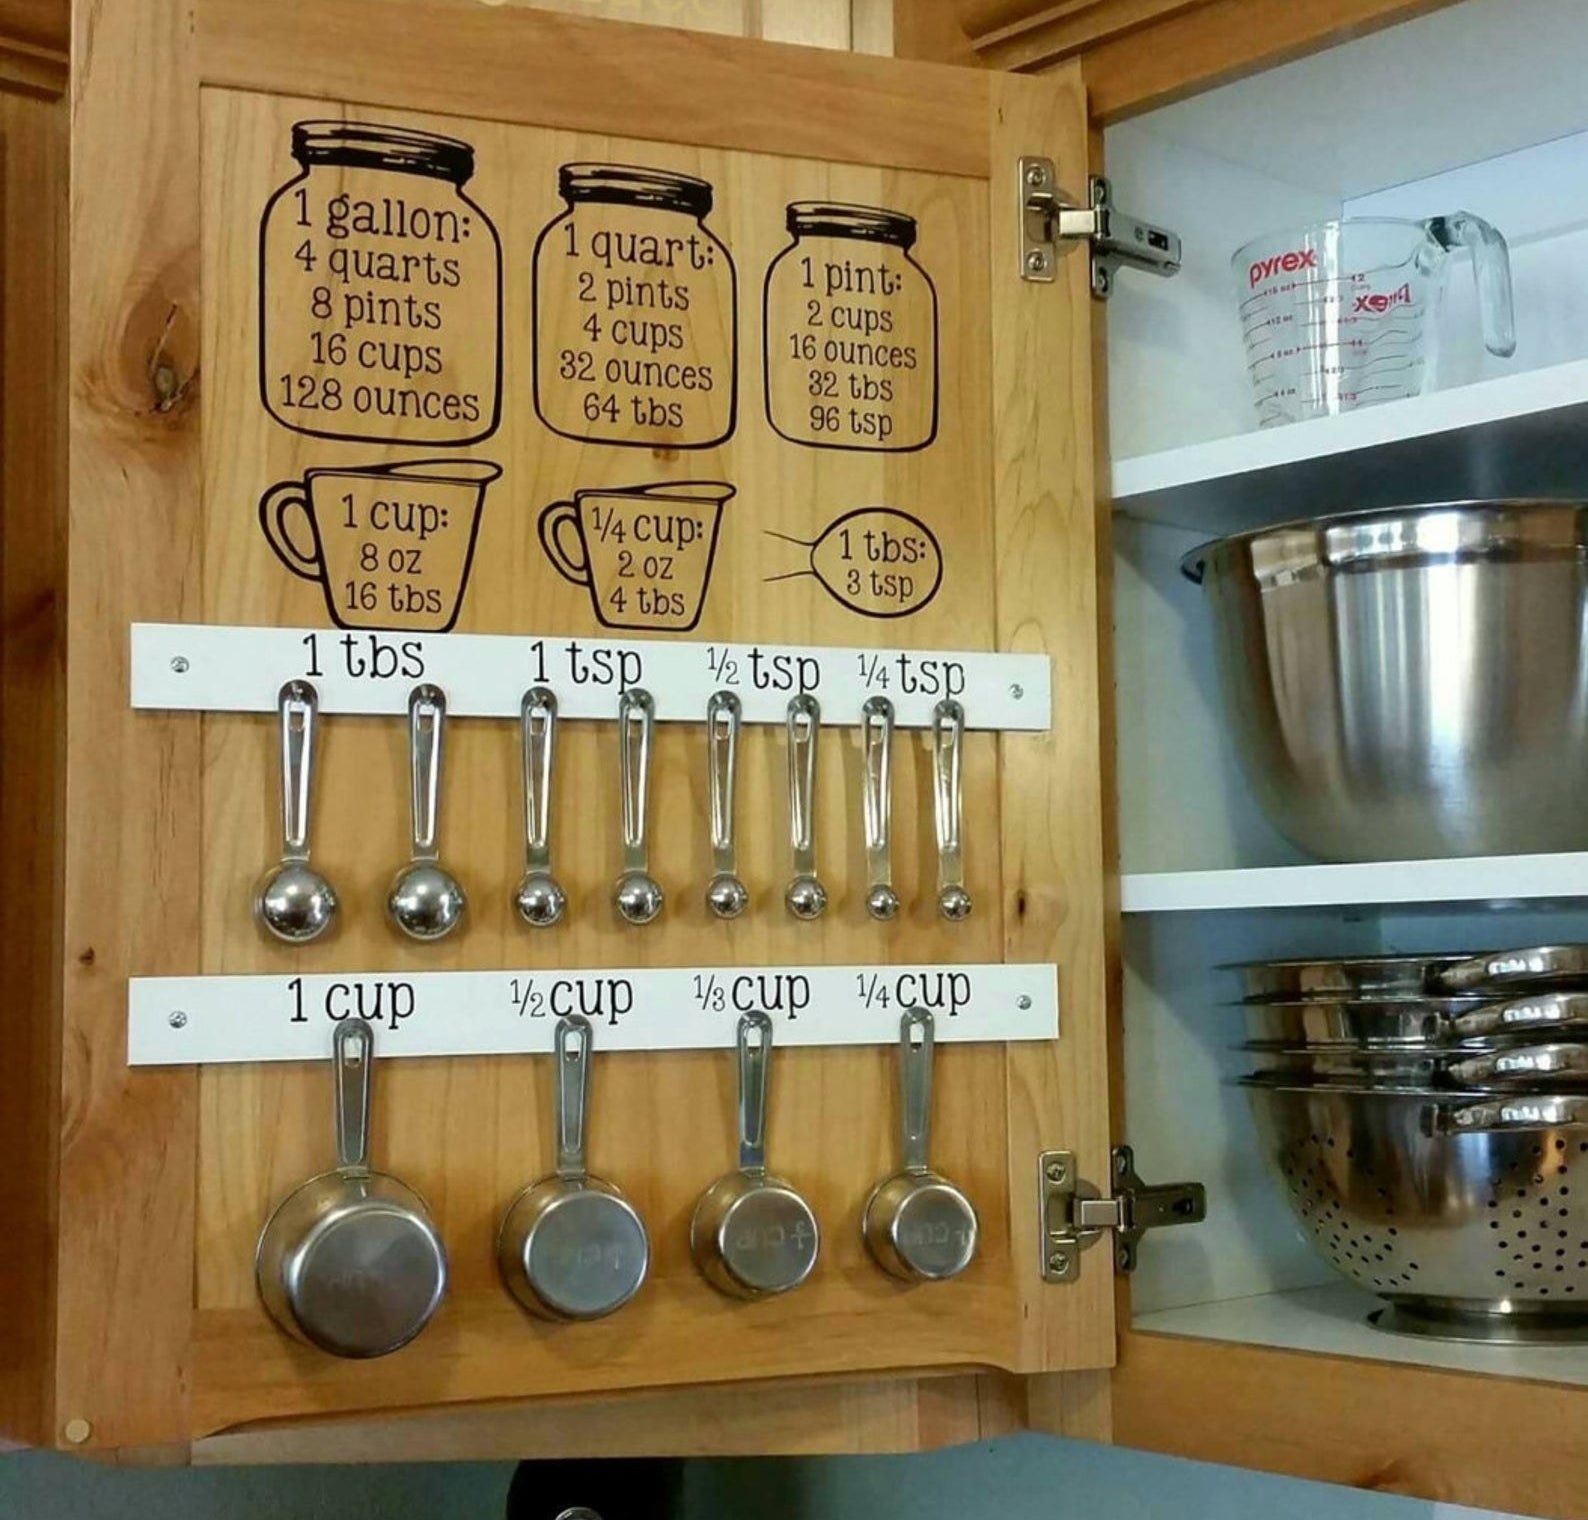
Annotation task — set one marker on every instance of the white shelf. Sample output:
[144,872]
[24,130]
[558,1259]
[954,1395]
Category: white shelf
[1333,1320]
[1476,879]
[1520,435]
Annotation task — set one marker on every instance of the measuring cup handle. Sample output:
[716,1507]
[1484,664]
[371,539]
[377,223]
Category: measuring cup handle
[572,1046]
[915,1088]
[755,1060]
[1491,269]
[353,1051]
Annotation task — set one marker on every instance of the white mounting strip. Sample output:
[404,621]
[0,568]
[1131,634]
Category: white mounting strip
[189,1021]
[197,667]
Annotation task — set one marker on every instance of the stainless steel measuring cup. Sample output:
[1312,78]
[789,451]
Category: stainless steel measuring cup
[918,1225]
[572,1246]
[350,1260]
[752,1234]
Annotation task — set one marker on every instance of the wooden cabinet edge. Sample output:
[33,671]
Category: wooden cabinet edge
[805,1418]
[1136,54]
[1494,1443]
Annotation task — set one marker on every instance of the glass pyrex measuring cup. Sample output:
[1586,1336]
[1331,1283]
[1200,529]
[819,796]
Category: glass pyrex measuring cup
[1344,314]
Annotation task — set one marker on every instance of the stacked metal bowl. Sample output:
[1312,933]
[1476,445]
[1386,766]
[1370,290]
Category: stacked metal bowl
[1428,1117]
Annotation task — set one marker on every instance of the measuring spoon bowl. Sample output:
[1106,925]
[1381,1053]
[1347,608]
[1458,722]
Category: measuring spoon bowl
[540,900]
[638,897]
[295,903]
[426,902]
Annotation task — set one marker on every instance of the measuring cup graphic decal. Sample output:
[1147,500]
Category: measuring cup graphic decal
[1344,314]
[643,552]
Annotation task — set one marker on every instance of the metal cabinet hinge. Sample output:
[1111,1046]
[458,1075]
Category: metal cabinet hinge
[1048,221]
[1074,1214]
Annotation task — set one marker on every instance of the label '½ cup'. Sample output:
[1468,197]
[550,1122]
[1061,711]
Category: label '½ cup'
[391,546]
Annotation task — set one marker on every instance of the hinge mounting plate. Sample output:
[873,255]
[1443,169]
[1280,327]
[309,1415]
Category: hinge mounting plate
[1048,221]
[1074,1214]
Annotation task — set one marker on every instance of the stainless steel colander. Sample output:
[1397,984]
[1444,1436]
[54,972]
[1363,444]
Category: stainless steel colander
[1466,1212]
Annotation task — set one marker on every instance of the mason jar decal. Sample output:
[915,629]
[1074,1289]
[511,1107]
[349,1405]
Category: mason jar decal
[850,335]
[635,322]
[380,290]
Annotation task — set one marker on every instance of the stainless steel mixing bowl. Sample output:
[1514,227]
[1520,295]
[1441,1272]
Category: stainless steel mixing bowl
[1385,1022]
[1413,681]
[1467,1213]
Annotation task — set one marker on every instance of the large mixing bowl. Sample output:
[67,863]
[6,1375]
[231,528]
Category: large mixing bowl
[1410,682]
[1467,1213]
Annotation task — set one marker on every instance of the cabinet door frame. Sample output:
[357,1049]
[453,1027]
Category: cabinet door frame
[124,1288]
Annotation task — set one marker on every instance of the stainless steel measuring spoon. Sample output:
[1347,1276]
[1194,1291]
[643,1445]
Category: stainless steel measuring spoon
[638,895]
[917,1224]
[876,744]
[752,1234]
[350,1261]
[726,894]
[805,897]
[540,899]
[425,900]
[294,902]
[572,1246]
[948,745]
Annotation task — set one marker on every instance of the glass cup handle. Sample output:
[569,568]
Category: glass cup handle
[1491,269]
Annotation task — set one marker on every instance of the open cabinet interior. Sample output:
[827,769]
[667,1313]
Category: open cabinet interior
[1477,107]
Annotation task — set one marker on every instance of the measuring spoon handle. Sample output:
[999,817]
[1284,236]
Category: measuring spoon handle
[876,738]
[352,1056]
[298,704]
[427,713]
[755,1071]
[572,1046]
[948,746]
[804,723]
[538,725]
[915,1089]
[723,714]
[636,723]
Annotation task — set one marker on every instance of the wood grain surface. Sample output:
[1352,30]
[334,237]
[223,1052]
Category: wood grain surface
[129,1148]
[33,206]
[153,1160]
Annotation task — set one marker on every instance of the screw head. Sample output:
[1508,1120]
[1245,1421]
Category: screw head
[1056,1171]
[178,1019]
[1017,691]
[1036,175]
[179,663]
[1059,1263]
[1036,261]
[1022,1002]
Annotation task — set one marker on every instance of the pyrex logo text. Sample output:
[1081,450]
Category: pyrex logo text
[1382,303]
[1283,263]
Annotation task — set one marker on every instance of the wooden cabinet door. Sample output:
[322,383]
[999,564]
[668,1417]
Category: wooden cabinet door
[203,375]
